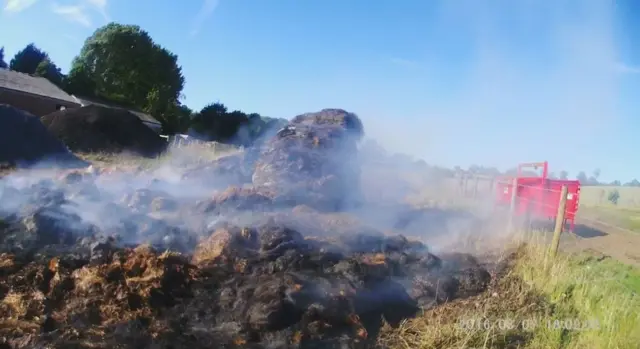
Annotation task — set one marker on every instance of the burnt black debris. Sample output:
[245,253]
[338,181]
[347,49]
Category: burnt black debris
[246,266]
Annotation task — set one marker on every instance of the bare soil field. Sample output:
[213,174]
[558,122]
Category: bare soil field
[607,239]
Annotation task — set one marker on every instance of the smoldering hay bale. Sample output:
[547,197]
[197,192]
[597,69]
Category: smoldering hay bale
[313,160]
[338,117]
[96,128]
[25,140]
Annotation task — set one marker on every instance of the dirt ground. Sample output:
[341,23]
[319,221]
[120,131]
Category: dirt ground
[604,239]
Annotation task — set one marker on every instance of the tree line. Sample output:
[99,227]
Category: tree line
[592,179]
[122,65]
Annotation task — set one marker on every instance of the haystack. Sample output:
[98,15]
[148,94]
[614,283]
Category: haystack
[313,160]
[101,129]
[24,140]
[337,117]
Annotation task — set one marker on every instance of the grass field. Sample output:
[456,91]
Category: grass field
[625,218]
[574,301]
[597,196]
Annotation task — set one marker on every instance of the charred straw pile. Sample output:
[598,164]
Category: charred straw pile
[171,273]
[24,140]
[96,128]
[313,160]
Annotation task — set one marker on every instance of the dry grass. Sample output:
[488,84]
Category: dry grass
[572,301]
[192,154]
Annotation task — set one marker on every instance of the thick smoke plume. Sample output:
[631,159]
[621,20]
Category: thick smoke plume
[275,246]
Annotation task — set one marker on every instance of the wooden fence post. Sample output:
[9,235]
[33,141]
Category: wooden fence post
[562,206]
[512,205]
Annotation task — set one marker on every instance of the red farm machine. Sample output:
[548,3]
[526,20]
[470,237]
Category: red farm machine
[538,196]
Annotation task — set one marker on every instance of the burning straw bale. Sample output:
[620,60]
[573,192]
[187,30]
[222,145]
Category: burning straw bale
[313,160]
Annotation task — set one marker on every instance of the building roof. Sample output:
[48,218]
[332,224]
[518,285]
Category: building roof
[34,85]
[142,116]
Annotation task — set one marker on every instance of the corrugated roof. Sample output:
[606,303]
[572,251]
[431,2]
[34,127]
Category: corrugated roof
[142,116]
[35,85]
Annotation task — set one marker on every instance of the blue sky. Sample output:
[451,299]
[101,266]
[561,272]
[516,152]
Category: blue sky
[455,82]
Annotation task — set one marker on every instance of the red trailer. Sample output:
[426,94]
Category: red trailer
[539,196]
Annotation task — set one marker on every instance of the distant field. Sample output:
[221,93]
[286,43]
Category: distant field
[597,196]
[590,196]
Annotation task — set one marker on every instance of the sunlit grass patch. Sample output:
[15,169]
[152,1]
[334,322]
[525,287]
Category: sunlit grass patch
[571,301]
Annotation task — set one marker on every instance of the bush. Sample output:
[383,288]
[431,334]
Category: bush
[614,196]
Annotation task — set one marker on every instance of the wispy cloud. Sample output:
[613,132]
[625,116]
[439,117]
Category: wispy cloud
[627,69]
[407,63]
[207,9]
[73,13]
[101,7]
[15,6]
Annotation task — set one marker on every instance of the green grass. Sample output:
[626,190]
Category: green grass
[586,288]
[599,294]
[626,218]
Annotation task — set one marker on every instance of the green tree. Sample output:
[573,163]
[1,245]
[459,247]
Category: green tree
[81,83]
[3,64]
[48,70]
[208,119]
[563,175]
[123,64]
[27,60]
[160,104]
[175,119]
[582,177]
[215,123]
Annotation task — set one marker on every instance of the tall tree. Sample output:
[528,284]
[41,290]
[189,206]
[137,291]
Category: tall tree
[27,59]
[48,70]
[122,63]
[3,64]
[582,177]
[215,123]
